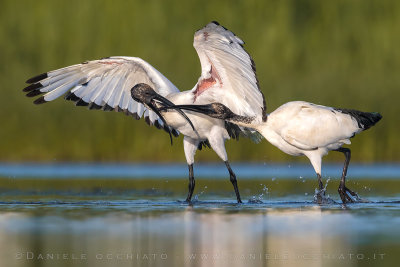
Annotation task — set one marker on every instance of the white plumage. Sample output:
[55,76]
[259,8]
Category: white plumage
[227,76]
[302,128]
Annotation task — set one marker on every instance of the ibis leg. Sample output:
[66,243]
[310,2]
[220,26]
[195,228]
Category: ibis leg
[321,192]
[343,190]
[320,184]
[233,181]
[192,183]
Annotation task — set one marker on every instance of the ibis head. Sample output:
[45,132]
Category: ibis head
[145,94]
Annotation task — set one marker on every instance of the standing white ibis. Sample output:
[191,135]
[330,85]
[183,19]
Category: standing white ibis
[227,76]
[302,128]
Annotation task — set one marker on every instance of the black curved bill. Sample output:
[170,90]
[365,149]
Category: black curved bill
[153,108]
[168,104]
[203,109]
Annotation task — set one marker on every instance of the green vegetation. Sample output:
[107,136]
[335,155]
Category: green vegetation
[337,53]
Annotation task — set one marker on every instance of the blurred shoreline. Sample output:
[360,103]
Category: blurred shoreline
[244,170]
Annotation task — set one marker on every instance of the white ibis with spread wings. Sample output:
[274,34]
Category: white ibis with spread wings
[121,84]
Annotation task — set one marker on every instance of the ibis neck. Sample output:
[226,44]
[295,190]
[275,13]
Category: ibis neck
[264,127]
[244,121]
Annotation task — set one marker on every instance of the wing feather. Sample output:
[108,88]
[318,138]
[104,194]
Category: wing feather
[228,73]
[91,89]
[59,91]
[102,84]
[125,100]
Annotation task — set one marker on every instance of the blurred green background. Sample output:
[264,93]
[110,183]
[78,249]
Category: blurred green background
[336,53]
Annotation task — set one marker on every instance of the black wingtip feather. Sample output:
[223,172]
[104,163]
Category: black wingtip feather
[39,101]
[94,106]
[37,78]
[157,124]
[82,103]
[175,133]
[135,116]
[147,120]
[33,93]
[71,96]
[108,108]
[205,144]
[166,128]
[32,87]
[233,130]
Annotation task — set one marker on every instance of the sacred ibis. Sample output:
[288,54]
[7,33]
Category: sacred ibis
[302,128]
[227,76]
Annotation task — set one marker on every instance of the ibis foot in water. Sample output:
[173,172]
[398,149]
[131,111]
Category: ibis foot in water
[344,194]
[343,190]
[320,196]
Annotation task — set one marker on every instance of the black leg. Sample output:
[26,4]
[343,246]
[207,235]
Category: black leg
[233,181]
[321,188]
[320,184]
[191,183]
[342,186]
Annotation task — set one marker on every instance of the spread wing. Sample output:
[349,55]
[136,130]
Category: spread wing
[103,84]
[228,74]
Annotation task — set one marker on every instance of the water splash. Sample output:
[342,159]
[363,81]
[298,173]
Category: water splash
[196,197]
[259,199]
[321,197]
[326,184]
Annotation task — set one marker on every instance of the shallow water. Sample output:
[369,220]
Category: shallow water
[97,221]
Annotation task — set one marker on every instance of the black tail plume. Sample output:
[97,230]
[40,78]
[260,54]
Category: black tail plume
[365,120]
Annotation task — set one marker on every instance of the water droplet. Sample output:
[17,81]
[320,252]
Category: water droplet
[326,184]
[254,200]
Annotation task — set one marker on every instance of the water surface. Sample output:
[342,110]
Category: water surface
[142,221]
